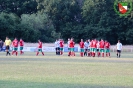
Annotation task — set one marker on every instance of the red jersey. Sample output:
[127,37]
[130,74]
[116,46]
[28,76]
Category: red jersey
[21,43]
[94,44]
[91,43]
[15,43]
[40,45]
[81,44]
[71,45]
[61,43]
[107,45]
[102,44]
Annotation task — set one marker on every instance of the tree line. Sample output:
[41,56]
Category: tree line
[52,19]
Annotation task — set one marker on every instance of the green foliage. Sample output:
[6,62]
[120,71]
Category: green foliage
[8,25]
[18,7]
[42,26]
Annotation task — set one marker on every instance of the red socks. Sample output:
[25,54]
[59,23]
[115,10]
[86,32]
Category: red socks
[13,52]
[38,53]
[98,54]
[102,54]
[61,53]
[43,53]
[88,54]
[81,54]
[16,53]
[69,53]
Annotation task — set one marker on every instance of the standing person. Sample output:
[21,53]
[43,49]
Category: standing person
[98,49]
[61,46]
[107,48]
[21,43]
[1,45]
[40,48]
[102,45]
[94,47]
[56,46]
[89,47]
[71,47]
[119,48]
[15,46]
[86,44]
[81,48]
[68,45]
[7,44]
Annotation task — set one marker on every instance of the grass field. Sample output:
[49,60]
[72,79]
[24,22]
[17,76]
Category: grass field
[50,71]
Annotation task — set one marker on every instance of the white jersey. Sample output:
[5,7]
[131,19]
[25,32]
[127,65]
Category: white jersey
[57,44]
[89,45]
[86,44]
[68,43]
[119,46]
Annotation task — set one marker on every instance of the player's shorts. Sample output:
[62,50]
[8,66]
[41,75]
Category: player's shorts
[39,50]
[86,50]
[119,51]
[15,48]
[82,50]
[102,50]
[61,49]
[72,49]
[90,49]
[94,49]
[68,49]
[98,50]
[107,50]
[21,47]
[7,47]
[56,48]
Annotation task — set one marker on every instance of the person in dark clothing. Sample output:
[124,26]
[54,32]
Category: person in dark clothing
[1,45]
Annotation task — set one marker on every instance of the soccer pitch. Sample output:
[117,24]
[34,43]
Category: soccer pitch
[51,71]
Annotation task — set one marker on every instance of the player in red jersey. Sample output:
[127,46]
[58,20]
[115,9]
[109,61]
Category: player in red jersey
[107,48]
[94,47]
[61,46]
[81,44]
[21,43]
[102,45]
[98,48]
[15,46]
[71,45]
[40,48]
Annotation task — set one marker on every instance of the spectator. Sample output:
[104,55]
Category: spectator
[1,44]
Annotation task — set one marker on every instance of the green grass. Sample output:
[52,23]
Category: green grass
[50,71]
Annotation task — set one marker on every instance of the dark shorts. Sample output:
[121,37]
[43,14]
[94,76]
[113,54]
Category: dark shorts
[7,47]
[57,48]
[119,51]
[98,50]
[86,50]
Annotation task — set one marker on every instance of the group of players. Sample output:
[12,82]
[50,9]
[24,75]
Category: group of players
[89,48]
[15,43]
[94,47]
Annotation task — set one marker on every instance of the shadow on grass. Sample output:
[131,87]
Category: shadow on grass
[22,84]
